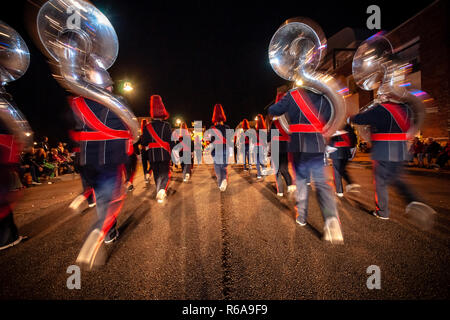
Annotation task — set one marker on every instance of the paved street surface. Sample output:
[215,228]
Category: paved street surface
[240,244]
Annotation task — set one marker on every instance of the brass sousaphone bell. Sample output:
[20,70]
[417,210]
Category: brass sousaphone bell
[296,50]
[375,67]
[14,62]
[84,45]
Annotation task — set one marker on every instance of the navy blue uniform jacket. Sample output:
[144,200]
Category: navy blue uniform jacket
[381,121]
[310,142]
[102,152]
[164,130]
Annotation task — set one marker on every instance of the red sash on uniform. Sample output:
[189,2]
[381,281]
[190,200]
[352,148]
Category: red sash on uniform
[219,139]
[159,142]
[401,120]
[102,132]
[346,143]
[284,136]
[309,112]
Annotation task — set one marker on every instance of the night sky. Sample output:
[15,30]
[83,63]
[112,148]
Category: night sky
[192,53]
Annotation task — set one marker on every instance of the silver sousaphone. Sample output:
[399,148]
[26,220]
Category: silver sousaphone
[376,67]
[84,45]
[14,62]
[295,51]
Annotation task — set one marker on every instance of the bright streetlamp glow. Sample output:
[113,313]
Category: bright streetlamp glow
[127,87]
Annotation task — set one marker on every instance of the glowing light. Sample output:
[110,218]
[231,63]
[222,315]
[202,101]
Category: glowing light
[127,87]
[299,83]
[178,122]
[28,134]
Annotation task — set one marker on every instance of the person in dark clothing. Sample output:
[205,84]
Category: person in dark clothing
[9,158]
[432,150]
[308,111]
[260,145]
[443,157]
[343,142]
[157,139]
[245,141]
[102,160]
[131,167]
[144,155]
[44,145]
[217,135]
[186,145]
[280,163]
[389,123]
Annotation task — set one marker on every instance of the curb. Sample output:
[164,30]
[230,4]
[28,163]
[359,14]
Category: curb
[413,171]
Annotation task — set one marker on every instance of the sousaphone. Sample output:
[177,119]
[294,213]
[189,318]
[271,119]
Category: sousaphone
[295,51]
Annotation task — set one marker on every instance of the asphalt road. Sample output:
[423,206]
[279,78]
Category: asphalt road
[240,244]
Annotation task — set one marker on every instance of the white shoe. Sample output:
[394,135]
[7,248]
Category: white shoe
[258,177]
[308,183]
[75,204]
[92,205]
[352,187]
[223,185]
[36,183]
[280,194]
[186,178]
[292,188]
[161,195]
[421,215]
[340,195]
[332,231]
[14,243]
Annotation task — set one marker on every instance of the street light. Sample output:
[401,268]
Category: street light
[127,87]
[299,83]
[178,122]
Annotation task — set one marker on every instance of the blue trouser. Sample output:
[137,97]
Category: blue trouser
[220,167]
[282,171]
[107,183]
[389,173]
[259,160]
[312,165]
[339,172]
[246,156]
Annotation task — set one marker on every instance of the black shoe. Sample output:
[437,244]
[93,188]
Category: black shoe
[112,236]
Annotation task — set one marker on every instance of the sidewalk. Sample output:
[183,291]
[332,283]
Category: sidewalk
[364,160]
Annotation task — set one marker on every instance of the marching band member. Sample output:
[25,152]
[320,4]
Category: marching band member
[15,132]
[105,144]
[316,109]
[157,138]
[186,154]
[394,117]
[389,123]
[217,135]
[259,146]
[282,167]
[246,143]
[9,158]
[343,142]
[308,111]
[144,155]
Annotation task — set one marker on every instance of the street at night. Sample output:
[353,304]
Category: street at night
[224,159]
[240,244]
